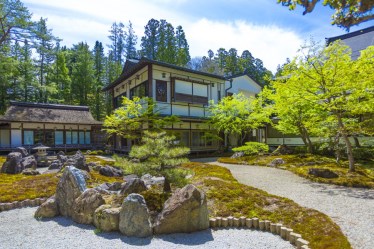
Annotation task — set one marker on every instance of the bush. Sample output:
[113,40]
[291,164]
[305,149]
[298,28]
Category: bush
[252,148]
[363,153]
[96,152]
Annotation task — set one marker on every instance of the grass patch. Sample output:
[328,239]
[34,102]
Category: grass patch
[99,161]
[20,187]
[300,165]
[228,197]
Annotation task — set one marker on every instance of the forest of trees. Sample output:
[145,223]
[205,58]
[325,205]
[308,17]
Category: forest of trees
[35,67]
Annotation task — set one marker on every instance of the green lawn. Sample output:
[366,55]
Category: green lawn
[300,164]
[228,197]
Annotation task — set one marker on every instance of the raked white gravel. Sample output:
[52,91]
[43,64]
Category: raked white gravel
[19,229]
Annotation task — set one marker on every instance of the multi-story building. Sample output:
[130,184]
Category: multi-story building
[177,91]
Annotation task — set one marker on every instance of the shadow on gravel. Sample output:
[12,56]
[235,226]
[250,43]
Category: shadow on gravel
[197,238]
[360,193]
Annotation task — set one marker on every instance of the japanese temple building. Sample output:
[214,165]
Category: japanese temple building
[60,127]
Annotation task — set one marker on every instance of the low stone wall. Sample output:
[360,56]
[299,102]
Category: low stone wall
[263,225]
[21,204]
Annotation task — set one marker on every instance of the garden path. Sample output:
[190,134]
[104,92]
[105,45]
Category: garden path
[351,208]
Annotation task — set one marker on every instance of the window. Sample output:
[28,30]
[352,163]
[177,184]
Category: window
[198,139]
[88,137]
[81,137]
[49,138]
[28,137]
[74,137]
[139,91]
[191,92]
[68,137]
[161,91]
[118,100]
[38,137]
[183,138]
[59,137]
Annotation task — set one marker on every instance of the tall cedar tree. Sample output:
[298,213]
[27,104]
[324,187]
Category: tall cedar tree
[131,41]
[99,72]
[150,39]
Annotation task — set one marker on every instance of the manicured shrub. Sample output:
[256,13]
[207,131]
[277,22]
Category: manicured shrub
[252,148]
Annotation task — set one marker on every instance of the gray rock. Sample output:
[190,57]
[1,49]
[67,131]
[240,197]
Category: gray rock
[62,158]
[29,162]
[135,185]
[110,171]
[48,209]
[85,206]
[71,186]
[106,218]
[127,178]
[12,164]
[185,211]
[60,153]
[276,162]
[150,180]
[324,173]
[30,172]
[134,219]
[79,161]
[21,150]
[238,154]
[55,164]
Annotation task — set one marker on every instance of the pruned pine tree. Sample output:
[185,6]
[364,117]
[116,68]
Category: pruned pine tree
[160,154]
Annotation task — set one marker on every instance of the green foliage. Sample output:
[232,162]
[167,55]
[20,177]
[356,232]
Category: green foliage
[347,13]
[252,148]
[129,120]
[155,199]
[324,93]
[238,115]
[158,154]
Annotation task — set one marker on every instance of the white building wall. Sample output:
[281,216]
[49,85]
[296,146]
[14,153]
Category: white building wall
[244,84]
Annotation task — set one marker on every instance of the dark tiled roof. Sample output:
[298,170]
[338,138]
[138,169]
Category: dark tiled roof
[145,61]
[48,113]
[357,40]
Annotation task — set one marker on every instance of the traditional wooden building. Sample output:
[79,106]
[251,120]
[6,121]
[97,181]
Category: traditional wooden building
[60,127]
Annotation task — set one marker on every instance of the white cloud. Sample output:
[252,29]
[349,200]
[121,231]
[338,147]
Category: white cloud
[271,44]
[90,20]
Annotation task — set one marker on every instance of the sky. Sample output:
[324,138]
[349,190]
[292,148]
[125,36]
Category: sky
[269,31]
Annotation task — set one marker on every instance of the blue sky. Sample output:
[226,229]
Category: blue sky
[268,30]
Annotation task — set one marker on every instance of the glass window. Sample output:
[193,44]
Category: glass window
[28,137]
[198,139]
[74,137]
[38,137]
[49,138]
[118,100]
[88,137]
[139,91]
[68,137]
[161,91]
[59,137]
[81,137]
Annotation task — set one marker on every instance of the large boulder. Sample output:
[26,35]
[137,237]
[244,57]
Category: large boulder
[110,171]
[106,218]
[62,158]
[48,209]
[29,162]
[185,211]
[79,161]
[30,172]
[134,219]
[150,180]
[85,206]
[12,164]
[237,154]
[134,185]
[324,173]
[71,185]
[21,150]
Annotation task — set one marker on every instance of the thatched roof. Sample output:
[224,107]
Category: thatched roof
[48,113]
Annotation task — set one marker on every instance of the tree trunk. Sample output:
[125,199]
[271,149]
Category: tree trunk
[357,142]
[167,187]
[305,137]
[348,144]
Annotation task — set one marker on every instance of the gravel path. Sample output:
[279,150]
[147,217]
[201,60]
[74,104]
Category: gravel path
[351,208]
[19,230]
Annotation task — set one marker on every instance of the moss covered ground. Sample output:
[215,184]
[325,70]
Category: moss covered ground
[226,196]
[300,165]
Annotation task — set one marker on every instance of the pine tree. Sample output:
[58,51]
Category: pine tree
[82,74]
[183,52]
[99,73]
[131,40]
[150,39]
[27,72]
